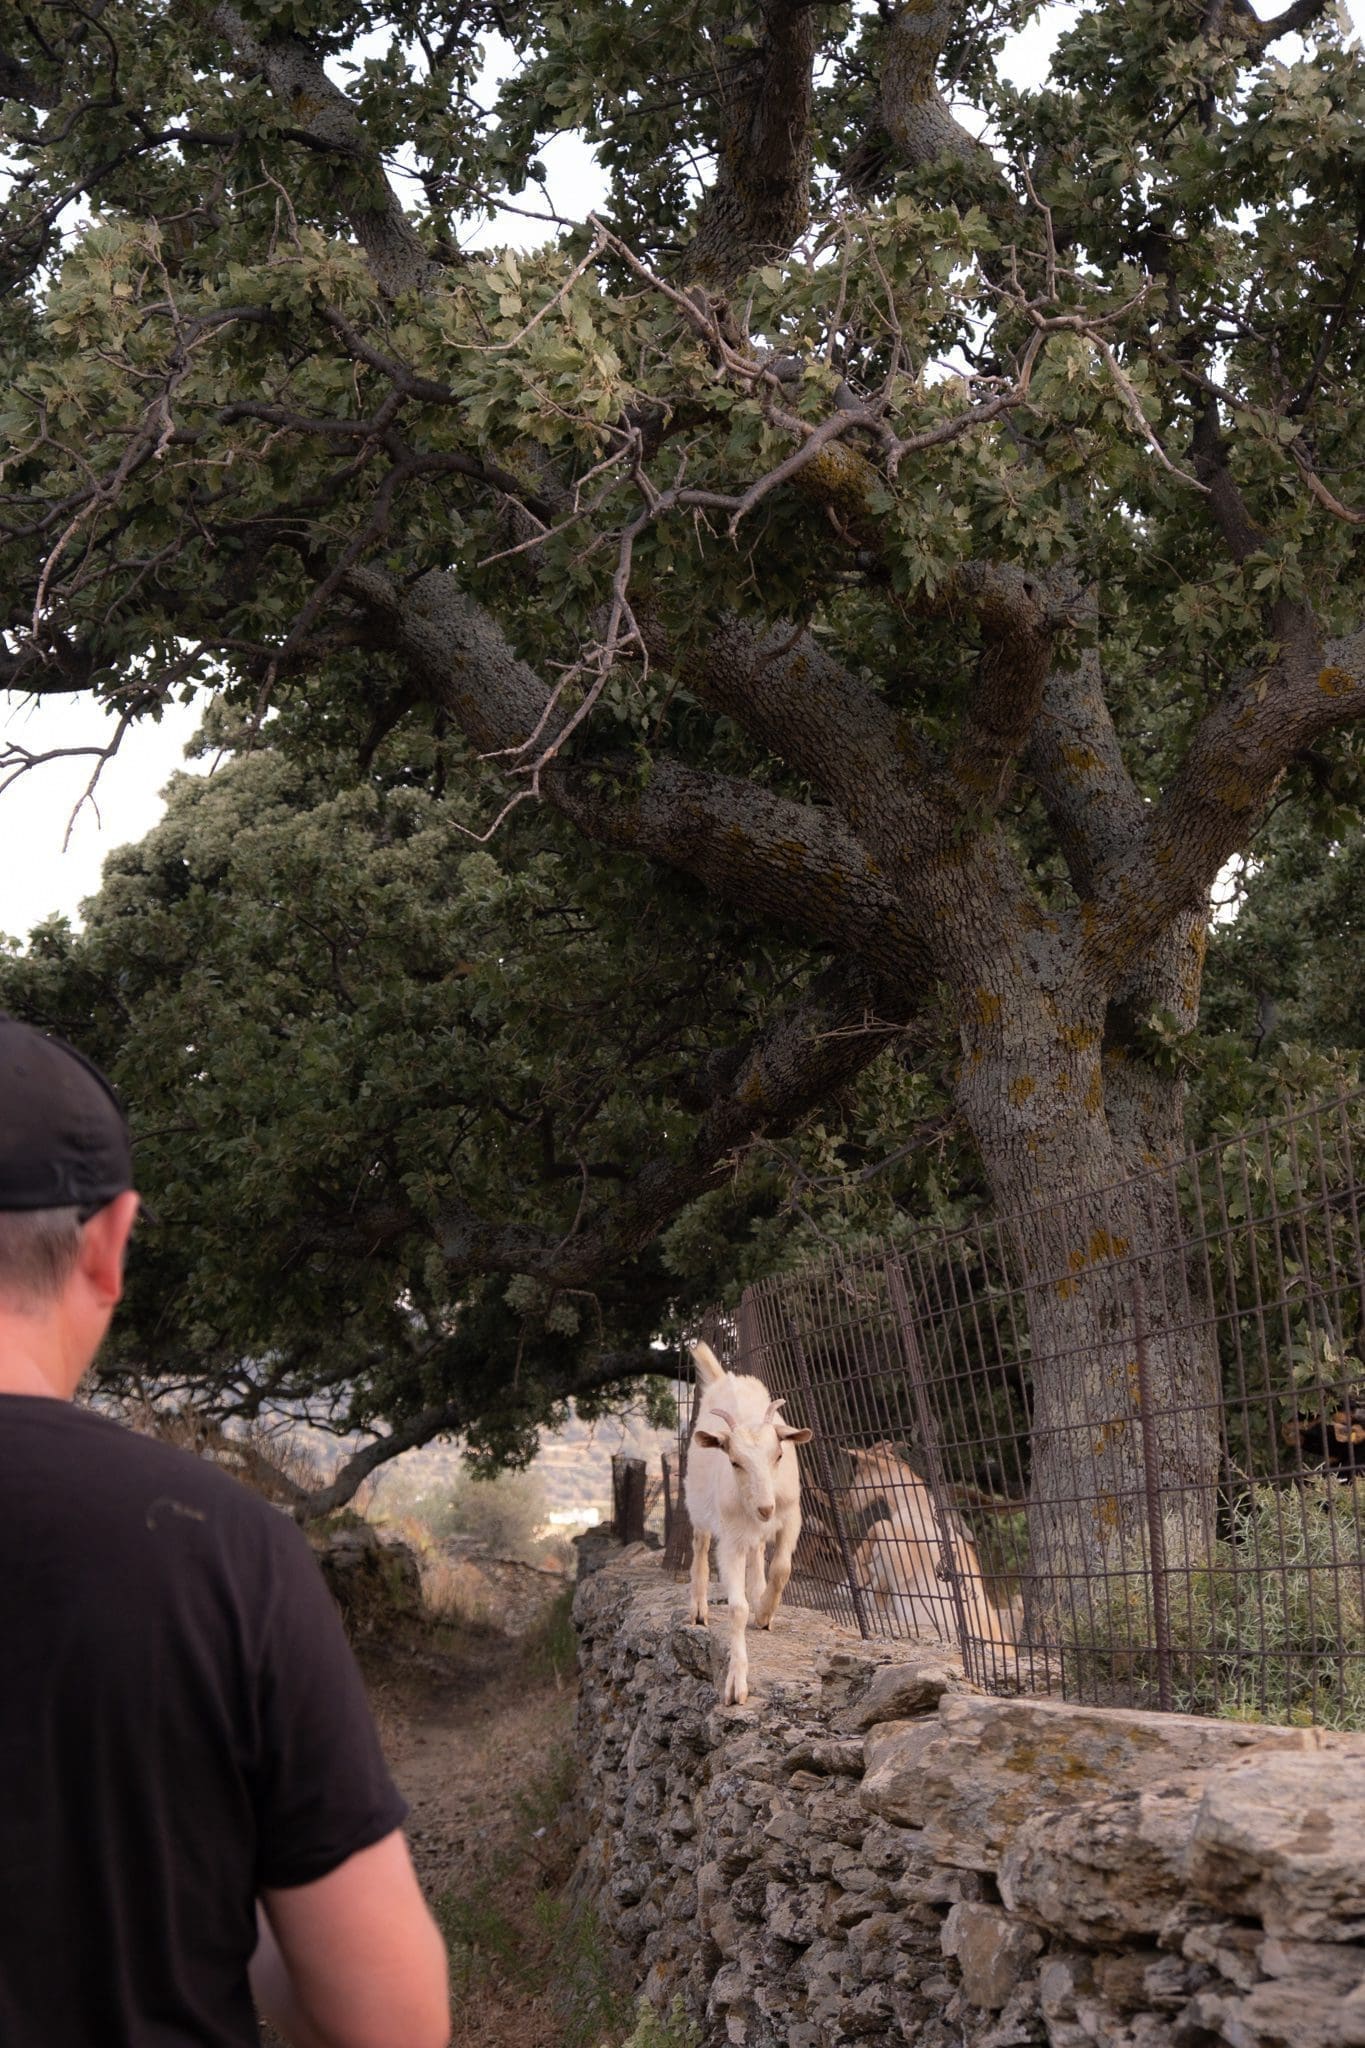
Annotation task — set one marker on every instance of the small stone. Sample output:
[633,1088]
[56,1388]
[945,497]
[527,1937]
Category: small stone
[827,1758]
[1226,1946]
[1061,1980]
[1276,2015]
[897,1692]
[1341,1969]
[1122,1979]
[892,1773]
[793,1916]
[994,1952]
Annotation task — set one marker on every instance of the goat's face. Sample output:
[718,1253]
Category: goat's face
[754,1452]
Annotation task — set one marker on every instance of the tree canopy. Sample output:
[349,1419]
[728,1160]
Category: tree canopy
[780,665]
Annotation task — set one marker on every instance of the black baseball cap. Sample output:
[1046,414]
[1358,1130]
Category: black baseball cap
[64,1140]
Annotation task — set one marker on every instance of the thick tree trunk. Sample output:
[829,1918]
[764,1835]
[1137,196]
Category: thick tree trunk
[1123,1377]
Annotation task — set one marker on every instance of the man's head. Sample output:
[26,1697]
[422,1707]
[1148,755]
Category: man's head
[66,1208]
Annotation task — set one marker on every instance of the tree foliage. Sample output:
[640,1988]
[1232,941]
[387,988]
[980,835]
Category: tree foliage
[765,679]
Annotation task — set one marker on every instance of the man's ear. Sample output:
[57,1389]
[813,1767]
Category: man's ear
[710,1440]
[104,1240]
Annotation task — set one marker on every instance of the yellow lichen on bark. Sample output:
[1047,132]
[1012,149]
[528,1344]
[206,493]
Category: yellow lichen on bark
[1335,682]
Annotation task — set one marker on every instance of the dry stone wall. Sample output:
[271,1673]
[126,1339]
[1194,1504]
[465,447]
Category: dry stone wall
[871,1851]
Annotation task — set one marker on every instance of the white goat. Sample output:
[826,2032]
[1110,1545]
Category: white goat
[899,1557]
[744,1489]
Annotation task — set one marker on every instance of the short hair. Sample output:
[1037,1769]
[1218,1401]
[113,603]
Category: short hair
[38,1252]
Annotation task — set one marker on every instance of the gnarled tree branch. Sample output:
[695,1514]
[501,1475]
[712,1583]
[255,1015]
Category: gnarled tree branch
[322,111]
[1232,767]
[760,200]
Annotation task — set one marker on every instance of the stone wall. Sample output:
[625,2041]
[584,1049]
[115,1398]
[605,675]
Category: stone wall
[871,1851]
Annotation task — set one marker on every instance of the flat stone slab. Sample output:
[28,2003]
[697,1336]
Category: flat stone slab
[972,1780]
[1283,1839]
[1108,1871]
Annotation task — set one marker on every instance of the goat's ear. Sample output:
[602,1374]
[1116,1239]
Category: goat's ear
[710,1440]
[794,1436]
[709,1367]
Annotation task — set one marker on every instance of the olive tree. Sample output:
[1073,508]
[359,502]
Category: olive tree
[919,513]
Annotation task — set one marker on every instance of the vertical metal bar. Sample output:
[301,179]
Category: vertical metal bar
[678,1550]
[1151,1476]
[933,1464]
[798,1351]
[748,1339]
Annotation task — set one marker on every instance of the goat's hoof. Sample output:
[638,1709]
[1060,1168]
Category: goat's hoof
[735,1694]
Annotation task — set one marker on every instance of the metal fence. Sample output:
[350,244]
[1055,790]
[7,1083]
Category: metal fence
[1113,1449]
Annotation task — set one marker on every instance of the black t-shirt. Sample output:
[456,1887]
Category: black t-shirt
[182,1726]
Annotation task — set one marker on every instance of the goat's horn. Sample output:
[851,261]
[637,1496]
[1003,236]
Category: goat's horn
[773,1407]
[722,1415]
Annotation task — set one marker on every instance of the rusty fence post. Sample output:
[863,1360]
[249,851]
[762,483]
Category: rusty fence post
[798,1352]
[678,1547]
[949,1567]
[1151,1480]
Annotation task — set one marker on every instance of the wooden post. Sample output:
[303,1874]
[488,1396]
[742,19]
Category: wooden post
[628,1499]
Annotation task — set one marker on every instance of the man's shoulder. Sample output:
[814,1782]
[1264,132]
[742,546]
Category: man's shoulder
[107,1460]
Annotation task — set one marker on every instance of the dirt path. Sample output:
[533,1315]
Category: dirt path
[459,1746]
[479,1744]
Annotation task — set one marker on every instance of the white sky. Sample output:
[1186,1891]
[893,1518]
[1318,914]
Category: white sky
[48,863]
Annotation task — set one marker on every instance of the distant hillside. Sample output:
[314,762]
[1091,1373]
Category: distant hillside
[573,1465]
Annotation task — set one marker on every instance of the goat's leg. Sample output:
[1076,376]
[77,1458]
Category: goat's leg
[753,1577]
[701,1575]
[780,1566]
[734,1565]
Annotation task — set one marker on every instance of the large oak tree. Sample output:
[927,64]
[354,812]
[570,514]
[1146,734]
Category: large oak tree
[919,517]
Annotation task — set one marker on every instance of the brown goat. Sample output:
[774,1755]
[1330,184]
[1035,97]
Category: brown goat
[899,1559]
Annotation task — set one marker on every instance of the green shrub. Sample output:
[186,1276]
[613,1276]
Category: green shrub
[672,2029]
[1273,1629]
[502,1513]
